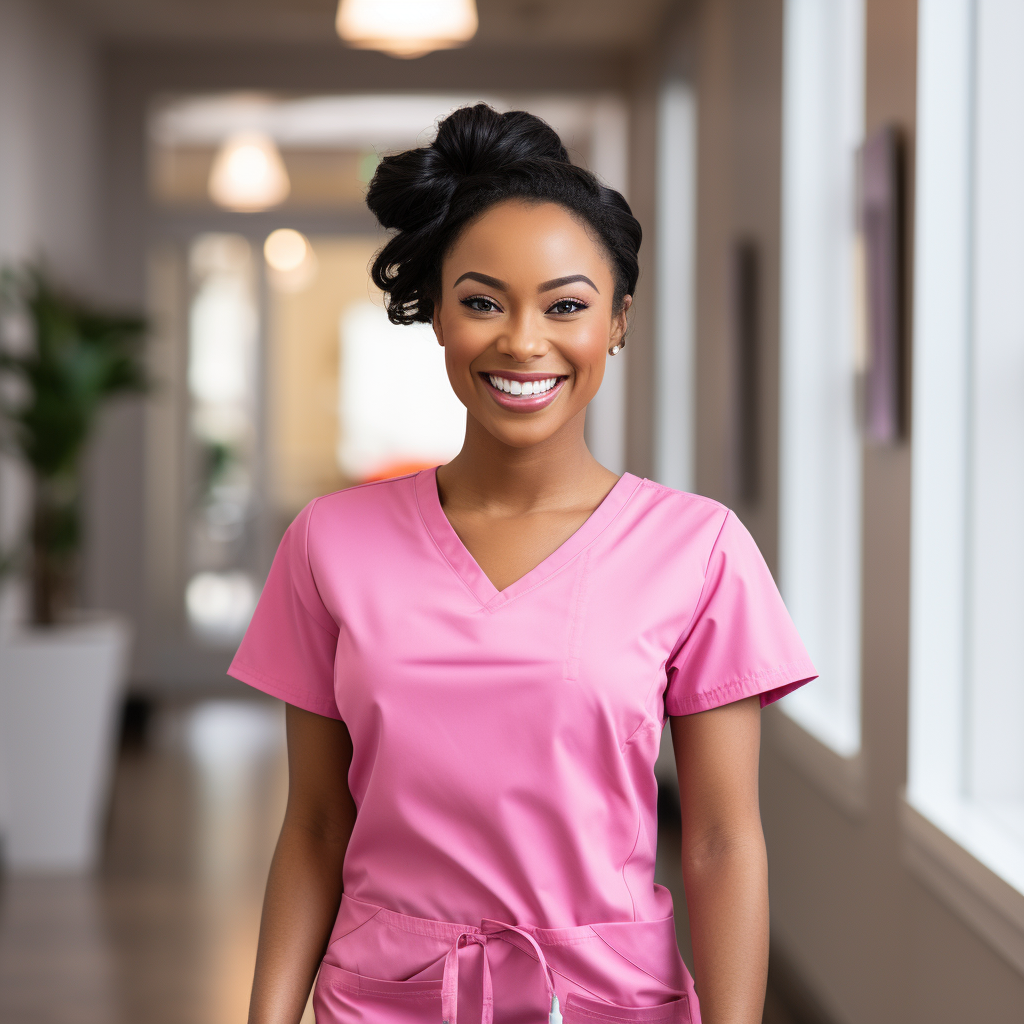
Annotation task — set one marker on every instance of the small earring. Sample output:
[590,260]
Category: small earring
[616,349]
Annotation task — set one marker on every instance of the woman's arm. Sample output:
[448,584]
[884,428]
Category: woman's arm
[725,867]
[304,887]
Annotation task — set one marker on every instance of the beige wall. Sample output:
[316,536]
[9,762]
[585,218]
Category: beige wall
[48,180]
[870,943]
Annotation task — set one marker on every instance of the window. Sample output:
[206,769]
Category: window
[966,772]
[413,422]
[820,487]
[223,371]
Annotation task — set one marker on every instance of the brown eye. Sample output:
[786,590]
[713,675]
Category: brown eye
[563,307]
[480,304]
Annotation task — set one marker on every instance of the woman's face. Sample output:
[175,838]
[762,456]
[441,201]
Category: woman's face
[525,318]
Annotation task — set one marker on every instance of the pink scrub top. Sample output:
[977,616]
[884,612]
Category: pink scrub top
[504,741]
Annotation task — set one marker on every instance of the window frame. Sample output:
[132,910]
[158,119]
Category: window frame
[820,456]
[952,841]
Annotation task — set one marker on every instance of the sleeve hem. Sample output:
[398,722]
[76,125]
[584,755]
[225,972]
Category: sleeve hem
[253,677]
[771,684]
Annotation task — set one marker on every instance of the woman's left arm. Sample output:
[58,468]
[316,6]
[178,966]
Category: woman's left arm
[725,867]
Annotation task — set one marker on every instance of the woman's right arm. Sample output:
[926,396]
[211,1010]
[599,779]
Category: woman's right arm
[305,882]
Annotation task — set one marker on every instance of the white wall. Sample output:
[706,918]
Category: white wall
[48,187]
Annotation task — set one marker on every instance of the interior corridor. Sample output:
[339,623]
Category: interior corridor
[165,933]
[826,337]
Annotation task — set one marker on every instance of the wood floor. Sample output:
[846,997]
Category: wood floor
[166,932]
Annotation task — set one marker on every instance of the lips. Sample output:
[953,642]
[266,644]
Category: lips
[523,392]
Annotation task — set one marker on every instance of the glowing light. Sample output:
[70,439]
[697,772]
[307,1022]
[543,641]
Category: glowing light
[220,604]
[291,259]
[406,28]
[285,249]
[248,173]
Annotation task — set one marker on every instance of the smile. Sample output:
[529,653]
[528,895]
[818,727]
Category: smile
[526,387]
[523,392]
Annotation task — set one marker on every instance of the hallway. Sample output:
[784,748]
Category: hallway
[826,337]
[166,932]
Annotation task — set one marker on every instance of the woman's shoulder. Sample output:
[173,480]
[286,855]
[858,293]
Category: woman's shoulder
[681,506]
[371,505]
[676,523]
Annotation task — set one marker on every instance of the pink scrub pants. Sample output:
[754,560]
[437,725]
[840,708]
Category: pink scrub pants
[627,972]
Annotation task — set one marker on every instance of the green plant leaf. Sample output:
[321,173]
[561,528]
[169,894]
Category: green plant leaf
[82,356]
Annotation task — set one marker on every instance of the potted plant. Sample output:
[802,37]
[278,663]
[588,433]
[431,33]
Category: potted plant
[61,677]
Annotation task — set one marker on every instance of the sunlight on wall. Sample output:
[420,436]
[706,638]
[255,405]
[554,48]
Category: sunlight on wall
[303,371]
[397,409]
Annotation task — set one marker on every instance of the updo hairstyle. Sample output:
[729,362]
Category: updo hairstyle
[479,158]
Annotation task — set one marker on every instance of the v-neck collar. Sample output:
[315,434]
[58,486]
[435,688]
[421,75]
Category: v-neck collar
[465,565]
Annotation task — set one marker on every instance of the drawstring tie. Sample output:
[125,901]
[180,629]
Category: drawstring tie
[450,984]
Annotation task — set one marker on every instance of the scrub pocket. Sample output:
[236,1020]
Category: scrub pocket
[342,997]
[382,967]
[581,1010]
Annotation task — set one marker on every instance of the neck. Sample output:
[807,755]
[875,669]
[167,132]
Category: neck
[488,473]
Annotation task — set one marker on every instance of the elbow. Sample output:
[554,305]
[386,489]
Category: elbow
[718,847]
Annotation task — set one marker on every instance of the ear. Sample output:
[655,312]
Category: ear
[619,323]
[436,324]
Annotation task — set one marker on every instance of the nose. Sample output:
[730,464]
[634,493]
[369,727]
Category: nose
[522,339]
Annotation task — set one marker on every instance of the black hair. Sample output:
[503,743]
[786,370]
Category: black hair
[479,158]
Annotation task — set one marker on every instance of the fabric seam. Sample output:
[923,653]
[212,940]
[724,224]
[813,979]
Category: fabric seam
[444,554]
[572,668]
[586,547]
[689,625]
[260,676]
[782,673]
[312,576]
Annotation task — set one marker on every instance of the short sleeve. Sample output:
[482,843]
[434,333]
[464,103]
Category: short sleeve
[740,640]
[289,648]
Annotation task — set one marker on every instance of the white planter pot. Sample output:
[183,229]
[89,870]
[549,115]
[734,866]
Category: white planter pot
[60,693]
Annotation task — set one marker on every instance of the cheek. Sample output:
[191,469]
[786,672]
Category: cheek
[462,344]
[590,347]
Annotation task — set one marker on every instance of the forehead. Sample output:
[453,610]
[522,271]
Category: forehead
[517,239]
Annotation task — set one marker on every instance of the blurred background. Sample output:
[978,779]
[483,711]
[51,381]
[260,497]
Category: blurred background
[828,336]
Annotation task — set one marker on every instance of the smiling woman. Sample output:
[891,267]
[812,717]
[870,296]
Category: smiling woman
[479,658]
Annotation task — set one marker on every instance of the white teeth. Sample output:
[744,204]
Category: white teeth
[528,387]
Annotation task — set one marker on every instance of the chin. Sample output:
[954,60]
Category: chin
[523,436]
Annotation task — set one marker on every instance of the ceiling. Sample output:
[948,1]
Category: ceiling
[574,24]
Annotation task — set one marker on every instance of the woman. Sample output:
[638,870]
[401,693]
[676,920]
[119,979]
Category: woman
[478,660]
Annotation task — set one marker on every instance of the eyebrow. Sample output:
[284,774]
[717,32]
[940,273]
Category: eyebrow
[560,282]
[472,275]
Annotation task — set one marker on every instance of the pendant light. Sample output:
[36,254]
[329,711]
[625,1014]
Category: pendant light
[248,173]
[406,28]
[290,257]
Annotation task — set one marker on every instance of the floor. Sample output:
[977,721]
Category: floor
[166,931]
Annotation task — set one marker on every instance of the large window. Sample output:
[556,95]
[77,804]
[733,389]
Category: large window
[967,676]
[820,488]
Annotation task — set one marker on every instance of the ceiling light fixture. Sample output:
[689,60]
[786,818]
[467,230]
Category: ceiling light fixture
[248,173]
[406,28]
[291,259]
